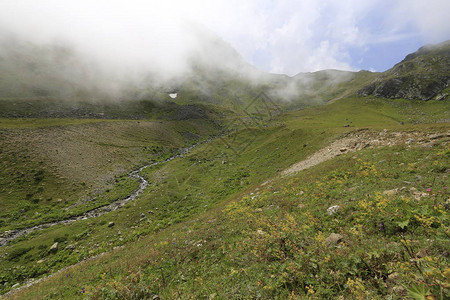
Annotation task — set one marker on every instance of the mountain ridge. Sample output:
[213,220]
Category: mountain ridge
[422,75]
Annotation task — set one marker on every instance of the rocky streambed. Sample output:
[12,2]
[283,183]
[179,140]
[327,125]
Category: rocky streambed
[11,235]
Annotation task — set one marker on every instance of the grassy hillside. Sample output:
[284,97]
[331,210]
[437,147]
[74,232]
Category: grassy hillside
[422,75]
[221,222]
[47,174]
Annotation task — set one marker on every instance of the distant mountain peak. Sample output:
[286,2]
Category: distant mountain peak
[422,75]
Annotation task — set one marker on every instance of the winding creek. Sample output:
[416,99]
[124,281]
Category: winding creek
[11,235]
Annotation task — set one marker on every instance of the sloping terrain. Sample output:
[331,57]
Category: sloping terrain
[347,199]
[422,75]
[56,81]
[46,169]
[266,224]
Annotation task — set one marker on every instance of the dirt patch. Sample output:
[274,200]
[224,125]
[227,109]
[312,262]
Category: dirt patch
[361,139]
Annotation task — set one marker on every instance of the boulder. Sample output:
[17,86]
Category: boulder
[54,248]
[334,238]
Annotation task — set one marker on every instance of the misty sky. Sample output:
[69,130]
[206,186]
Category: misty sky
[282,36]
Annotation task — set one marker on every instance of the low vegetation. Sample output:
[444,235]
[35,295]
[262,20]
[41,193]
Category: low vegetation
[221,222]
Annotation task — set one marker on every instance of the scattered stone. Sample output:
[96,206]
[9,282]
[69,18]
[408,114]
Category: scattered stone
[119,233]
[418,195]
[390,192]
[422,253]
[399,290]
[54,248]
[16,285]
[436,136]
[419,177]
[142,215]
[260,232]
[224,162]
[393,277]
[334,238]
[70,247]
[333,209]
[430,145]
[441,96]
[111,224]
[40,261]
[409,141]
[343,149]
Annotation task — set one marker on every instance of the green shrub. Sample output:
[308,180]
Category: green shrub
[18,252]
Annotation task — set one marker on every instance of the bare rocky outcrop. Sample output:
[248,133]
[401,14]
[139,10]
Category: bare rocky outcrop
[422,75]
[365,138]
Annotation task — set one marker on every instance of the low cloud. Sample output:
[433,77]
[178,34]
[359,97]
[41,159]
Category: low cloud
[286,36]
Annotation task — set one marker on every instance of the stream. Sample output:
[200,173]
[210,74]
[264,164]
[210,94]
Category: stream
[11,235]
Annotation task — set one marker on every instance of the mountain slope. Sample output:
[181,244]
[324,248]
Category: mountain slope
[246,232]
[222,220]
[62,82]
[422,75]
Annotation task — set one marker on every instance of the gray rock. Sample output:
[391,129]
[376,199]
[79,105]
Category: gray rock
[436,136]
[54,247]
[70,247]
[430,144]
[399,290]
[334,238]
[390,192]
[111,224]
[422,253]
[441,97]
[333,209]
[393,277]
